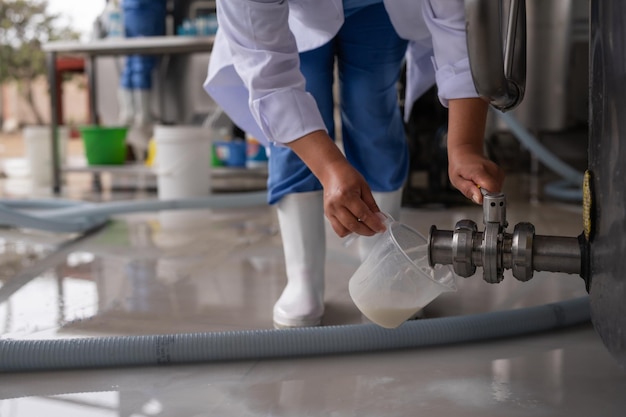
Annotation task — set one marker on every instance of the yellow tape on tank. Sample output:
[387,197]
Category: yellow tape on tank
[587,205]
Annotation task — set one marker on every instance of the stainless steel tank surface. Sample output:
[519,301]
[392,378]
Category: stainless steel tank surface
[607,163]
[602,257]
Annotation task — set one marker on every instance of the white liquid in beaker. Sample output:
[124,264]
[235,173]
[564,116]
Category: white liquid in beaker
[388,317]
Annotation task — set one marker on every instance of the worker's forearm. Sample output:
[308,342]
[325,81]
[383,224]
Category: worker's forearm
[466,125]
[318,152]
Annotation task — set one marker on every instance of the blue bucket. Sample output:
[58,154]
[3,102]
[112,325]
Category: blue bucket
[231,153]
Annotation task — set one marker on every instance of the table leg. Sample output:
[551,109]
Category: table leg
[96,179]
[91,81]
[54,122]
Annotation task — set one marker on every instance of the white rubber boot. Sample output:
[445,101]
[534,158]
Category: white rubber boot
[389,203]
[143,108]
[302,228]
[142,129]
[126,104]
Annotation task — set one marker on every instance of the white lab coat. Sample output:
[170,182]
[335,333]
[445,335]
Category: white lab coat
[254,75]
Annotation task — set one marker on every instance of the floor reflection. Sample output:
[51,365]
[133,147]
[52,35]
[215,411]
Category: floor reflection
[203,271]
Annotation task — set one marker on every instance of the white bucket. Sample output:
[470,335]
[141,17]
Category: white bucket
[183,161]
[38,146]
[182,165]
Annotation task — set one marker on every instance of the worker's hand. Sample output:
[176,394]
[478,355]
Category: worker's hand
[469,169]
[348,201]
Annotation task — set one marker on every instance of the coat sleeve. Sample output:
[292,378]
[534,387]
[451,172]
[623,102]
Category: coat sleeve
[446,23]
[265,56]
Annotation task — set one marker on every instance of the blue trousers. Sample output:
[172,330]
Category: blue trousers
[369,57]
[142,18]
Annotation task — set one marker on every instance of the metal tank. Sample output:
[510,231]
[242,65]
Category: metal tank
[597,254]
[607,162]
[554,32]
[549,42]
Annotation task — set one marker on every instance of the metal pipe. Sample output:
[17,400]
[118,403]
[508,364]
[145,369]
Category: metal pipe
[439,246]
[465,248]
[532,253]
[556,254]
[515,48]
[500,79]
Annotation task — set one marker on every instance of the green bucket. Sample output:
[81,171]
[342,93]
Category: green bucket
[104,145]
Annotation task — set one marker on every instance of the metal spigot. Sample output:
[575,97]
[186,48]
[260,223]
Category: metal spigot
[501,78]
[495,250]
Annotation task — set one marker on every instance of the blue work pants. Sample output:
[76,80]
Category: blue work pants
[369,56]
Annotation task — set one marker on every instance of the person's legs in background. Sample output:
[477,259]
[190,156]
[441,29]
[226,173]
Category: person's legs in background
[141,18]
[299,203]
[370,56]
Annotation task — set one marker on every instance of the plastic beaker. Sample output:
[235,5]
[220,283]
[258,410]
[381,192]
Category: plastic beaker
[396,281]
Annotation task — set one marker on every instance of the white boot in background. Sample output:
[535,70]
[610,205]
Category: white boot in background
[390,203]
[126,104]
[143,108]
[142,127]
[302,228]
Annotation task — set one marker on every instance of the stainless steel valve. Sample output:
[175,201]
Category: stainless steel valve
[494,249]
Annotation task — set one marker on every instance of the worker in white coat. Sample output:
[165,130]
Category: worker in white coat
[271,70]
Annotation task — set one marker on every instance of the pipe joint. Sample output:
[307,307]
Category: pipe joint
[462,246]
[522,251]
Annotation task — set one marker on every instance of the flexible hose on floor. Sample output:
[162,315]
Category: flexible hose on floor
[570,188]
[66,216]
[40,355]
